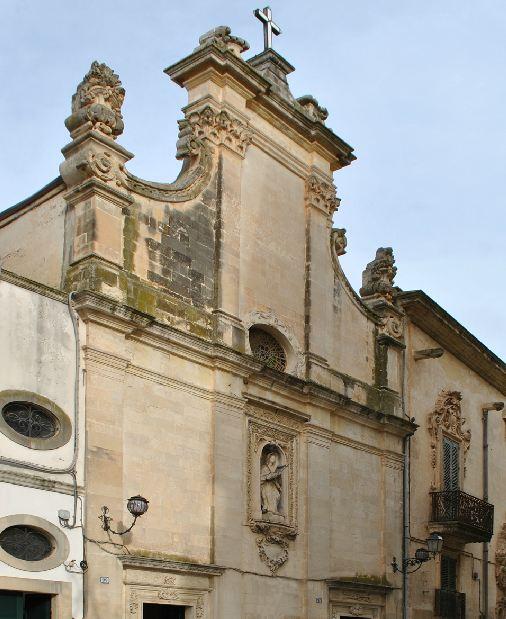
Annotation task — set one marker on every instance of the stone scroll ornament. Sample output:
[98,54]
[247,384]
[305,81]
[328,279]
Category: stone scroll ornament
[222,38]
[378,276]
[338,241]
[97,103]
[313,109]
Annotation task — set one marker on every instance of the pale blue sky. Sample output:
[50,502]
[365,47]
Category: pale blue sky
[417,87]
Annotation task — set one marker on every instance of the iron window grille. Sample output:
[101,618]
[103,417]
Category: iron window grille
[266,348]
[26,543]
[30,420]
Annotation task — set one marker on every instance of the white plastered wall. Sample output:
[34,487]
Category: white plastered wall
[38,346]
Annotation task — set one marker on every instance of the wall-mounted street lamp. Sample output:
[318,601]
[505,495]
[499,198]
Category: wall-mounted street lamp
[136,505]
[422,555]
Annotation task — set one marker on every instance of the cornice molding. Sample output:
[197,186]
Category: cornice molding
[261,98]
[95,307]
[433,320]
[168,565]
[53,188]
[356,584]
[33,286]
[12,475]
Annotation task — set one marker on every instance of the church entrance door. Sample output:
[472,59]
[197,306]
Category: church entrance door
[162,611]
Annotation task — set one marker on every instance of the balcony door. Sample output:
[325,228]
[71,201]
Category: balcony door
[451,464]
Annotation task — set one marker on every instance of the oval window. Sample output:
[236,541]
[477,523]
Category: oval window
[26,543]
[266,348]
[30,420]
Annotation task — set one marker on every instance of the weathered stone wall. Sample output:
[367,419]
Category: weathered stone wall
[32,244]
[426,380]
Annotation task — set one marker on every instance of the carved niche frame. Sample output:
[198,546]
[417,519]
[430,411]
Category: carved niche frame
[273,426]
[446,420]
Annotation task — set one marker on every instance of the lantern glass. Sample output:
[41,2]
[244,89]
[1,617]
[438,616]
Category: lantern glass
[137,505]
[435,543]
[422,555]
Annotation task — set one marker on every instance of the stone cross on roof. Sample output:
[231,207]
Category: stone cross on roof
[265,16]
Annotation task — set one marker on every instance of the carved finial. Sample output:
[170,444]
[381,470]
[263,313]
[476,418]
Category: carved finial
[339,241]
[378,277]
[313,109]
[97,103]
[222,38]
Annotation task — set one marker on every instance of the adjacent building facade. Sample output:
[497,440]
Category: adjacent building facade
[197,343]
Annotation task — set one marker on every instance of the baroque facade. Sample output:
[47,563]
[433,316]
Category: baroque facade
[197,343]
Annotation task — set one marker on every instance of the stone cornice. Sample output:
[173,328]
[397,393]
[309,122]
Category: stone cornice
[209,62]
[222,62]
[33,286]
[256,400]
[170,565]
[95,307]
[356,584]
[44,194]
[142,327]
[304,392]
[310,134]
[456,339]
[11,475]
[95,187]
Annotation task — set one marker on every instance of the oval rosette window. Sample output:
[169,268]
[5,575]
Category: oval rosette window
[31,543]
[26,543]
[31,420]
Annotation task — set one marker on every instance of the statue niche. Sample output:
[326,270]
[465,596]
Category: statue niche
[272,484]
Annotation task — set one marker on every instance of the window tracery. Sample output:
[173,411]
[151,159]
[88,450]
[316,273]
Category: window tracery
[266,348]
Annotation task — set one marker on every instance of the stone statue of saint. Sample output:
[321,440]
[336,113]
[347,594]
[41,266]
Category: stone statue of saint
[271,487]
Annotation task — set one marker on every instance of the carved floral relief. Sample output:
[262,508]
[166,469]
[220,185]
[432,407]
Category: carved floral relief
[220,128]
[322,195]
[446,418]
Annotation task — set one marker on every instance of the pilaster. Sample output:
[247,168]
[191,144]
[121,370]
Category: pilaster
[321,204]
[93,172]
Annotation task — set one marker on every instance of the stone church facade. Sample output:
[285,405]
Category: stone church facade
[197,343]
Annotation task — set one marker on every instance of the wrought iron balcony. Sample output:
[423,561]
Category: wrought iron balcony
[450,604]
[463,516]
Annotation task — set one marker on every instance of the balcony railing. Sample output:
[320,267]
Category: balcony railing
[462,515]
[450,604]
